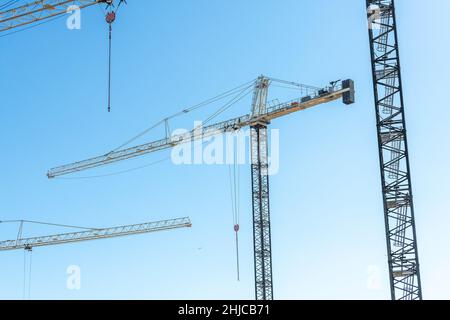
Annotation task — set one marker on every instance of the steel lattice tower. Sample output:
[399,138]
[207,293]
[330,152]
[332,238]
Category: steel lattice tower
[260,196]
[393,150]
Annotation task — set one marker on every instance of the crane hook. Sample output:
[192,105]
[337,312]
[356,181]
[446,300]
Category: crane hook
[110,17]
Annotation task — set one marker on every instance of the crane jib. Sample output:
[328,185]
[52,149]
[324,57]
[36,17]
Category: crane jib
[345,91]
[94,234]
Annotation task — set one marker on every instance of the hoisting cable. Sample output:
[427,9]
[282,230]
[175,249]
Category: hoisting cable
[110,18]
[109,69]
[236,224]
[26,284]
[27,252]
[24,273]
[234,192]
[30,251]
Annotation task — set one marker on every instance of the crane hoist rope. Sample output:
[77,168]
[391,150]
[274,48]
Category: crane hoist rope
[110,18]
[234,177]
[27,267]
[29,272]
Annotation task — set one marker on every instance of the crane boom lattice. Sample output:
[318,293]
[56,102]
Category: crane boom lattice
[40,10]
[94,234]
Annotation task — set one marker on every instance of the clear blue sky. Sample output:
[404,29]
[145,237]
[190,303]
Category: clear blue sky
[326,202]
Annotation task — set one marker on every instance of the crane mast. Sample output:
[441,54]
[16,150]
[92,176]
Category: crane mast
[262,242]
[400,225]
[94,234]
[258,120]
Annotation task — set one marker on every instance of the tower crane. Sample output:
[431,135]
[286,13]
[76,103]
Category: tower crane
[258,120]
[93,234]
[403,257]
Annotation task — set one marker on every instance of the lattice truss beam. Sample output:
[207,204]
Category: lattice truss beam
[398,203]
[39,10]
[93,234]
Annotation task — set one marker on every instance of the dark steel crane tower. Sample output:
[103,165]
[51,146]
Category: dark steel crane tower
[393,151]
